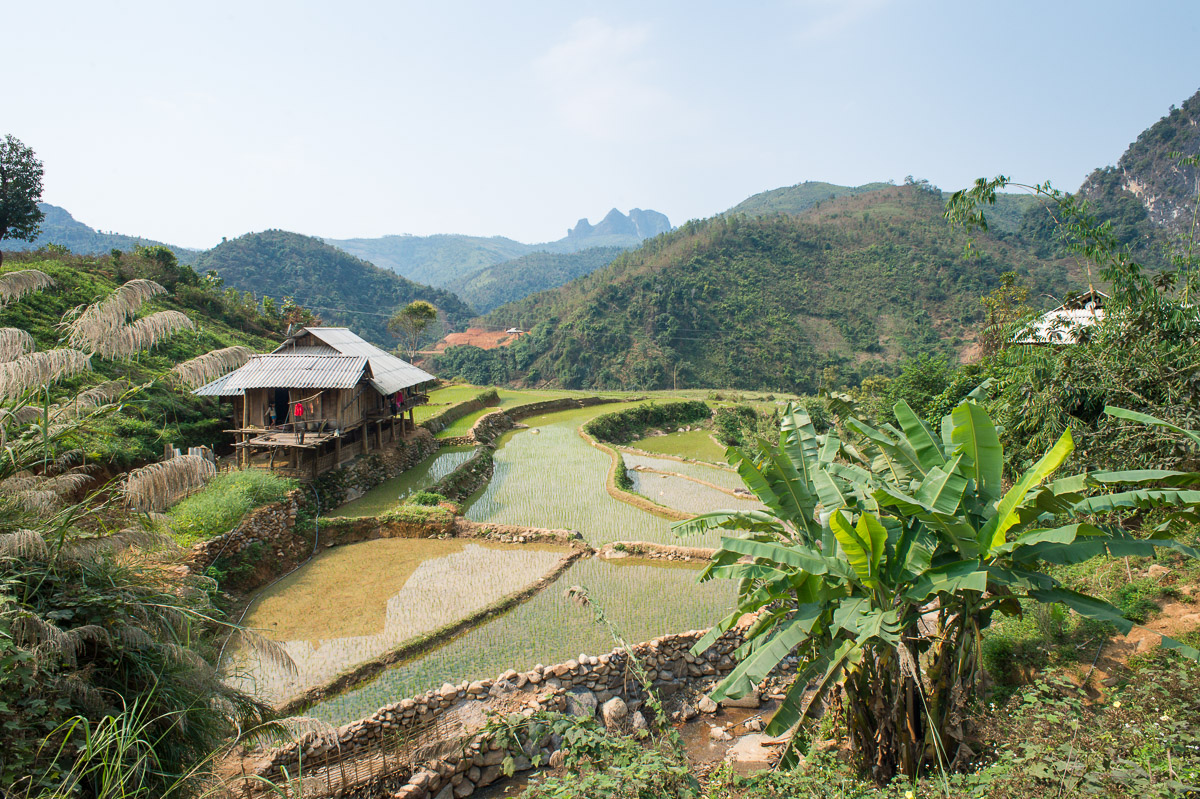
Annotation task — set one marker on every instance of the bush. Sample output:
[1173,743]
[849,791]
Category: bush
[221,504]
[425,498]
[624,426]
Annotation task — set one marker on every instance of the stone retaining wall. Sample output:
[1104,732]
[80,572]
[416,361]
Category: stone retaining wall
[339,486]
[436,424]
[272,528]
[589,681]
[643,549]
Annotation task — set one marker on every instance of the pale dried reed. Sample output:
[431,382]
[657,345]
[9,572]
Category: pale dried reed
[38,369]
[100,319]
[15,285]
[14,342]
[211,365]
[159,485]
[24,544]
[139,335]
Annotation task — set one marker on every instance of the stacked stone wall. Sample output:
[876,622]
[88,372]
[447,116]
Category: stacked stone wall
[589,682]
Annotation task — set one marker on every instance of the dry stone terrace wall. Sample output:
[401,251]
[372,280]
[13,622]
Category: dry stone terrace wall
[352,481]
[436,424]
[589,681]
[271,527]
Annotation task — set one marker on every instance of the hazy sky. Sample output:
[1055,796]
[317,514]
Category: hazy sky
[187,122]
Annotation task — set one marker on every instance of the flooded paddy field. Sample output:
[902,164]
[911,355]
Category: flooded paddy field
[549,476]
[389,493]
[353,603]
[644,599]
[696,444]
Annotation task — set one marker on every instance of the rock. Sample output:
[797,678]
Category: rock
[638,722]
[718,733]
[750,754]
[446,792]
[489,775]
[613,712]
[750,701]
[464,789]
[688,712]
[557,759]
[1157,571]
[581,703]
[754,725]
[706,705]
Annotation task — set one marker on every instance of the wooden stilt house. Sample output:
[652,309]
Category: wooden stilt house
[323,397]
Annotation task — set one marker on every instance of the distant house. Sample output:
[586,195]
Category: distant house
[321,398]
[1064,323]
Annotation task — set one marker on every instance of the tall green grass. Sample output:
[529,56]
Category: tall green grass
[220,504]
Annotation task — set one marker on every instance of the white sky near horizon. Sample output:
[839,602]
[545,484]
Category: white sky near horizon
[189,122]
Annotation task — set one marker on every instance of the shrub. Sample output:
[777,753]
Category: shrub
[425,498]
[218,507]
[624,426]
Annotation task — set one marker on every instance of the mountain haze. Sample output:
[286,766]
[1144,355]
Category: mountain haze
[511,280]
[448,260]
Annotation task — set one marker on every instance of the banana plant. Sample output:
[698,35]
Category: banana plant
[883,554]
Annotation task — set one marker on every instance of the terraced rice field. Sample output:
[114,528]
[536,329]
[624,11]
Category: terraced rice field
[553,478]
[389,493]
[687,495]
[696,444]
[643,598]
[354,603]
[724,477]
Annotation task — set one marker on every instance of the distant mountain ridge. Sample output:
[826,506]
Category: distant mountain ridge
[504,282]
[59,227]
[448,260]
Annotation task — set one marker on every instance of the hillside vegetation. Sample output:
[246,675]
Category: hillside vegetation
[767,303]
[60,228]
[493,286]
[222,319]
[342,289]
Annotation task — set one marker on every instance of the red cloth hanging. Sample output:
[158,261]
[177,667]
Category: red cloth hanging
[298,411]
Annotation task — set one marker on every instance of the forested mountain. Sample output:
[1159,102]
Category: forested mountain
[343,289]
[1151,173]
[448,260]
[511,280]
[60,228]
[765,302]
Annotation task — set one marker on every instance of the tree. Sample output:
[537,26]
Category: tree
[882,556]
[20,190]
[410,323]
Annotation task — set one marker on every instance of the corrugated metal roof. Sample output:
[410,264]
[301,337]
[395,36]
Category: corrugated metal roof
[217,388]
[1060,326]
[297,371]
[389,374]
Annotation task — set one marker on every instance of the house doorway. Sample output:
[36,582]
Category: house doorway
[282,409]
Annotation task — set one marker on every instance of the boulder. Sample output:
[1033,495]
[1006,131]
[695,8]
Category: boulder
[706,705]
[718,733]
[750,700]
[582,703]
[613,712]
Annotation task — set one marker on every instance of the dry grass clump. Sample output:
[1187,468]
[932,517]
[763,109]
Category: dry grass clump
[14,342]
[15,285]
[108,327]
[211,365]
[37,369]
[160,485]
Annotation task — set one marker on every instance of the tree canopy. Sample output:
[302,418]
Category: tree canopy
[20,190]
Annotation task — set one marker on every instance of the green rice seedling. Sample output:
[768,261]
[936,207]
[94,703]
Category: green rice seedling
[548,476]
[696,444]
[688,495]
[644,598]
[354,603]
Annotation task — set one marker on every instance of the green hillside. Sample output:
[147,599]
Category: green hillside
[799,198]
[342,289]
[223,318]
[493,286]
[60,228]
[764,303]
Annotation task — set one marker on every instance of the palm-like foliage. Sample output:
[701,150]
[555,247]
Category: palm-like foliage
[884,554]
